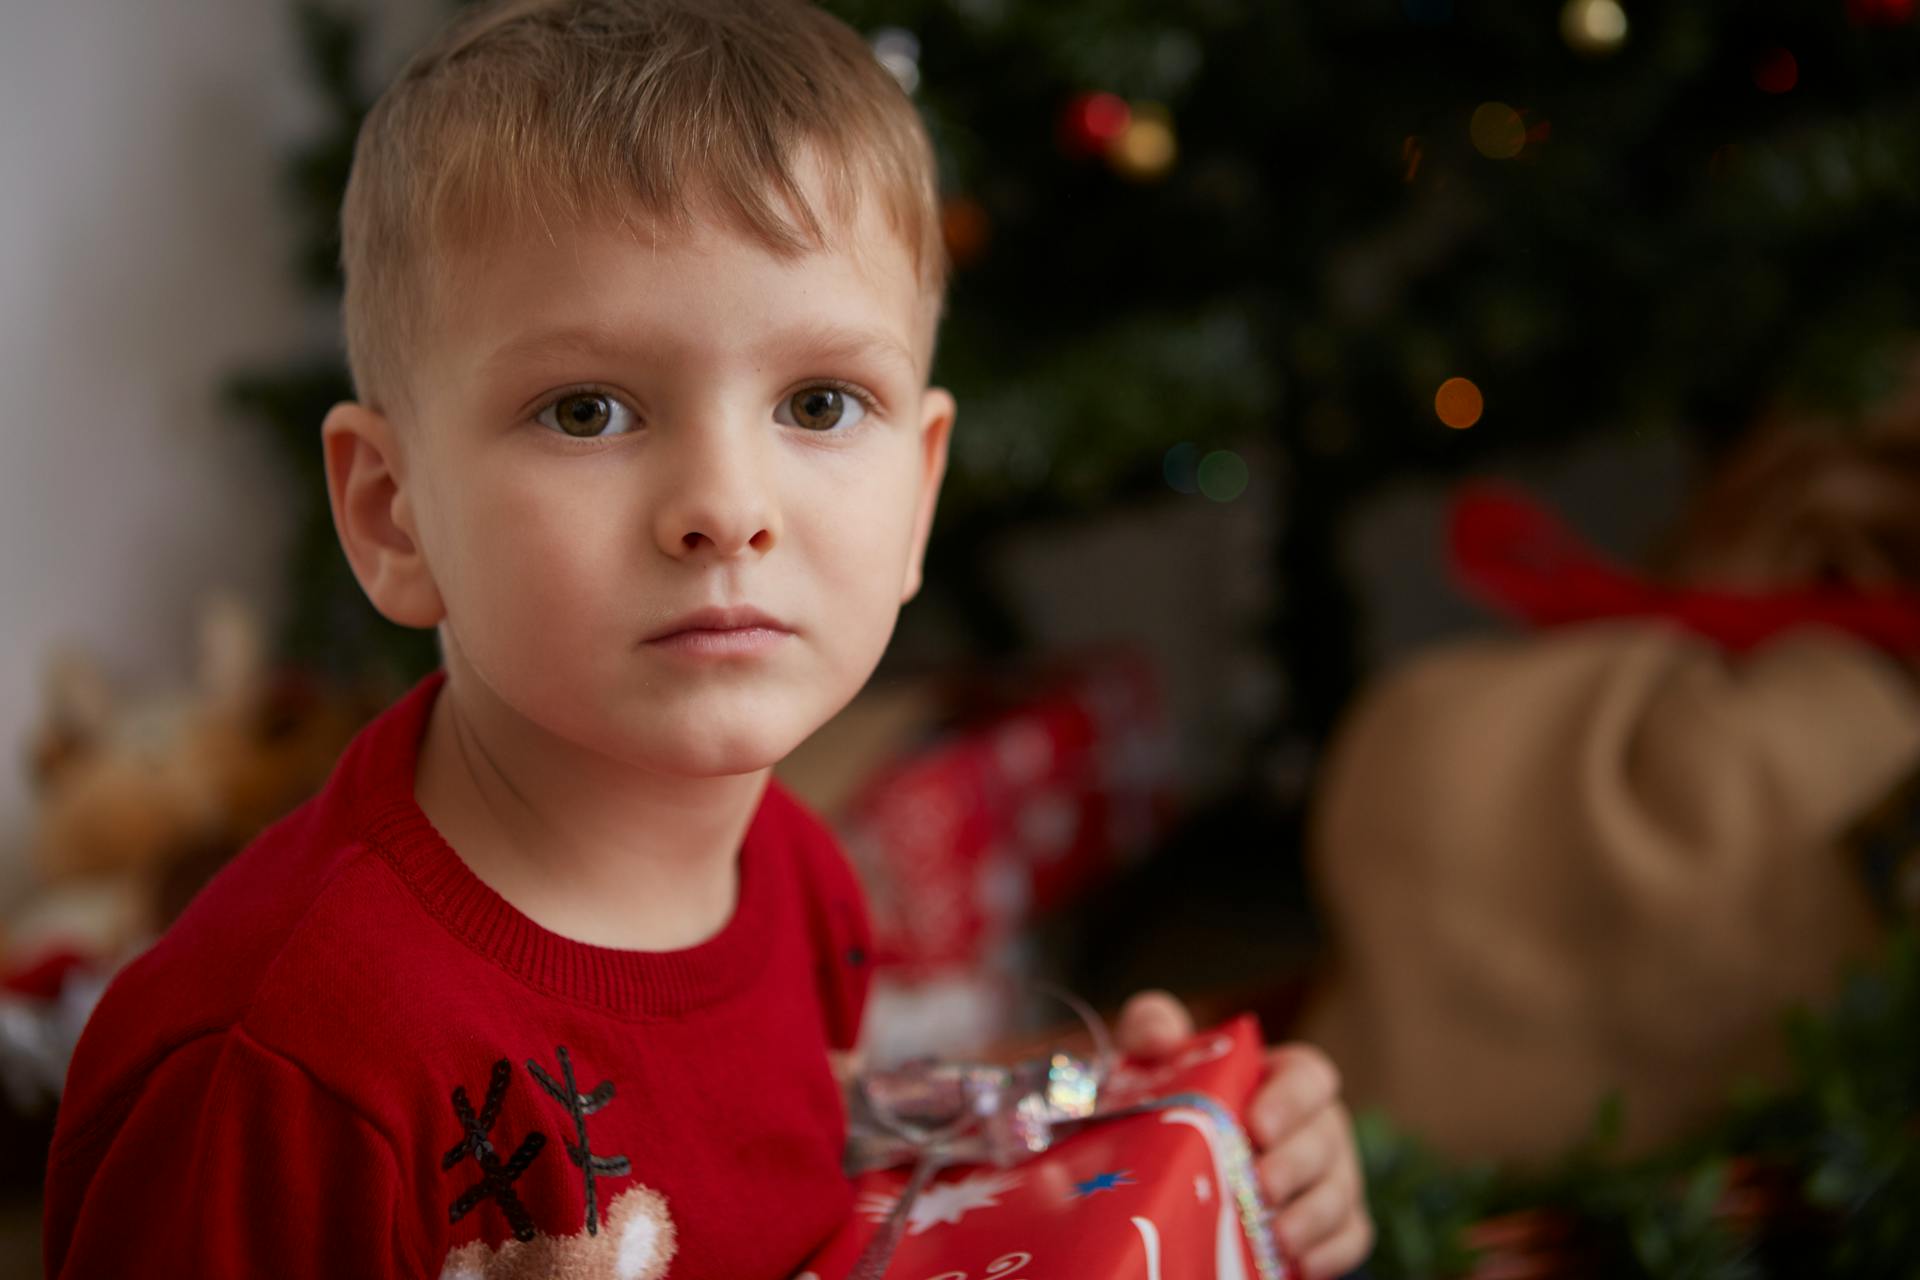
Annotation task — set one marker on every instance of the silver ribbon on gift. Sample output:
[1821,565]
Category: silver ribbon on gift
[974,1112]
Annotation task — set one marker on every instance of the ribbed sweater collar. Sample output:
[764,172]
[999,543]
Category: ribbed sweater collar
[377,775]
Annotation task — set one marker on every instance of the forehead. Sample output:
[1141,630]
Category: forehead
[631,280]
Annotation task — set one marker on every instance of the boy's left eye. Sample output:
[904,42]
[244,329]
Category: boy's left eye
[824,408]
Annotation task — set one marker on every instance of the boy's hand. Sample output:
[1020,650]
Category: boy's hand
[1309,1168]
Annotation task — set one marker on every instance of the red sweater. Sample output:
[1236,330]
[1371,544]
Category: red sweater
[351,1058]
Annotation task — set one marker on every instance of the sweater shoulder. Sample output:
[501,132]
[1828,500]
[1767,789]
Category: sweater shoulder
[227,952]
[234,946]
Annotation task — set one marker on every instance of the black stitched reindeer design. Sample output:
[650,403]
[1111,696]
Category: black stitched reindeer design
[580,1106]
[496,1180]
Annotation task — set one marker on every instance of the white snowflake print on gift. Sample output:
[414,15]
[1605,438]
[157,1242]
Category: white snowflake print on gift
[943,1201]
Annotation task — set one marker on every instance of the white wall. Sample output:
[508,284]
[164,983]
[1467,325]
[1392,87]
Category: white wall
[144,250]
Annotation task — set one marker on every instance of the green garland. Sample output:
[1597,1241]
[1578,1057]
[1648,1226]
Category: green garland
[1821,1179]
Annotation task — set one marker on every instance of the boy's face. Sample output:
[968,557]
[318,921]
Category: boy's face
[611,433]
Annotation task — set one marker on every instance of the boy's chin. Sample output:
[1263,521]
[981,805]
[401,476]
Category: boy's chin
[695,766]
[716,753]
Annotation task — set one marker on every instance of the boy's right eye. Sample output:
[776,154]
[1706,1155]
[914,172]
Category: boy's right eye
[587,415]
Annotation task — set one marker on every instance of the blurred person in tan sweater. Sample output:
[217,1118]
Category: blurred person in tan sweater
[1608,856]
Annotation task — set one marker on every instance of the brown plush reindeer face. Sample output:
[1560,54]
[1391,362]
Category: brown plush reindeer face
[637,1243]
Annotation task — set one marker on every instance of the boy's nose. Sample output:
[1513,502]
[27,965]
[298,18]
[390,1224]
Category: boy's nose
[717,501]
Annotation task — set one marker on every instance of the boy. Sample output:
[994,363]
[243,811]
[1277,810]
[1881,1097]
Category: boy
[641,302]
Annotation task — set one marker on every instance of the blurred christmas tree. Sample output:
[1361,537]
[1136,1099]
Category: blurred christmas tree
[330,627]
[1385,237]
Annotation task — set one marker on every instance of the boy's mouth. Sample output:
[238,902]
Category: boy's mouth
[738,630]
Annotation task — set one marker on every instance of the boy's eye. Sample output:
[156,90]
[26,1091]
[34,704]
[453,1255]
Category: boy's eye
[587,414]
[825,408]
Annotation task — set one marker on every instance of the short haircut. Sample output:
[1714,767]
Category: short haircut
[531,113]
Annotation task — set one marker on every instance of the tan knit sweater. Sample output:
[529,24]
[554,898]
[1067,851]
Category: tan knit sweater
[1604,857]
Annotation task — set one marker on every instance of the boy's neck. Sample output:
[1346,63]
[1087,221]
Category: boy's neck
[584,846]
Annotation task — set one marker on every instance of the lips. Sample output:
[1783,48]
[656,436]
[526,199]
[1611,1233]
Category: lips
[732,618]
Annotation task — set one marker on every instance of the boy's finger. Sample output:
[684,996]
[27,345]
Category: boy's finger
[1301,1081]
[1315,1217]
[1152,1025]
[1302,1160]
[1345,1251]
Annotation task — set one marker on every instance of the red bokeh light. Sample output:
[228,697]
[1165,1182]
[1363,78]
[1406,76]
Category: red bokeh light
[1880,13]
[1776,71]
[1092,121]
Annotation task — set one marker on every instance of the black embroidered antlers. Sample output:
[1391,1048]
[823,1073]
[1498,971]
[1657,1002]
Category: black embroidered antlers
[496,1181]
[580,1106]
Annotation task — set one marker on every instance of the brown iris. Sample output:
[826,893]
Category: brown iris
[586,414]
[818,408]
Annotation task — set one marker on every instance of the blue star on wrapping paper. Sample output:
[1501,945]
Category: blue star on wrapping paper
[1102,1182]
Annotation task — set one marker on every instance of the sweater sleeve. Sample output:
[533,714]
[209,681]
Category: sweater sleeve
[845,964]
[231,1161]
[840,931]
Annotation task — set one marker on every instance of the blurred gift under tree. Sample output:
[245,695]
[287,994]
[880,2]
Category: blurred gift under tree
[1379,238]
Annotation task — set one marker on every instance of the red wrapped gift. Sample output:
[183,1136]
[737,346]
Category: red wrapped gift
[1159,1183]
[961,841]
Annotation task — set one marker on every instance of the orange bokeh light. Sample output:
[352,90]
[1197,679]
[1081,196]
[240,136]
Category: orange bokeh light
[1459,403]
[965,227]
[1498,131]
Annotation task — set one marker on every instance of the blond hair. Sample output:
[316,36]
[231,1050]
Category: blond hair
[536,113]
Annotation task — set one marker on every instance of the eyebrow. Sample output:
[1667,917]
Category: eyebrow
[827,342]
[832,342]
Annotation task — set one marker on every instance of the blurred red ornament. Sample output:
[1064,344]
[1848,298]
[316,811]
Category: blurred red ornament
[1092,122]
[1776,71]
[1879,13]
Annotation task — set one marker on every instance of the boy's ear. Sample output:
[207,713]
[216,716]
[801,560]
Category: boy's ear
[373,514]
[937,411]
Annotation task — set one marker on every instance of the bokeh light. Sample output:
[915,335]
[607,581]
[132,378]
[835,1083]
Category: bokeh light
[1092,122]
[1459,403]
[1595,28]
[1224,475]
[899,52]
[965,227]
[1497,130]
[1146,149]
[1776,71]
[1880,13]
[1181,467]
